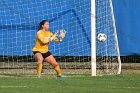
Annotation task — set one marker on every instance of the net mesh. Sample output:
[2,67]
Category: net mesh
[107,51]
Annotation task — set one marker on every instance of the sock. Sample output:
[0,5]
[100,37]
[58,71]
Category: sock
[57,69]
[39,68]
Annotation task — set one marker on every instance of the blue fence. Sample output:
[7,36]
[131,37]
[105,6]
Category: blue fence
[127,13]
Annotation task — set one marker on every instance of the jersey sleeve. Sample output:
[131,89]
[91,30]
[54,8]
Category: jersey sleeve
[42,38]
[51,34]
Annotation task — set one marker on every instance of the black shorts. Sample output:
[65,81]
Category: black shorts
[45,55]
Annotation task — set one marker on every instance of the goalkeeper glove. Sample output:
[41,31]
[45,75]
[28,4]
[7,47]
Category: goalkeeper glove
[62,34]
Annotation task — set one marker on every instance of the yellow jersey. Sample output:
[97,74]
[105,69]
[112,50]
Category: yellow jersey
[40,44]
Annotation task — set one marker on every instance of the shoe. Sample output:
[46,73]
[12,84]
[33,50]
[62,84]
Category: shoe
[38,77]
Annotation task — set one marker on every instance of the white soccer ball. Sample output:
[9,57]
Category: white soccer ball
[102,37]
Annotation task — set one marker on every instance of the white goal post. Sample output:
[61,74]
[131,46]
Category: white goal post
[93,39]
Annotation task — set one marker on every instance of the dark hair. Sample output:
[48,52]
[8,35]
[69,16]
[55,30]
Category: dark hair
[41,23]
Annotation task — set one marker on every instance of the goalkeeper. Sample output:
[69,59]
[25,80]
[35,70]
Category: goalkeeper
[40,50]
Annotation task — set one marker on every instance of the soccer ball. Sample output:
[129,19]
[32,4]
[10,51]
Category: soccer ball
[102,37]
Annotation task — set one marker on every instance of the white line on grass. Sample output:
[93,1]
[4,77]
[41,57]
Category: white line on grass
[13,86]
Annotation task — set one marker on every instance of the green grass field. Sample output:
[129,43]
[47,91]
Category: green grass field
[82,84]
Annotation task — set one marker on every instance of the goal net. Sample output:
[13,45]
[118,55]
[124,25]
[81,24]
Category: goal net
[18,27]
[107,53]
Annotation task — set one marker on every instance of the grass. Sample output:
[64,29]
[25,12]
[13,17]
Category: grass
[100,84]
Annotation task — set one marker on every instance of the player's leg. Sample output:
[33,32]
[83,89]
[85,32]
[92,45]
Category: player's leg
[42,71]
[39,58]
[51,60]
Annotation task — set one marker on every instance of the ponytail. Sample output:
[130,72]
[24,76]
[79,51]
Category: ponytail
[41,23]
